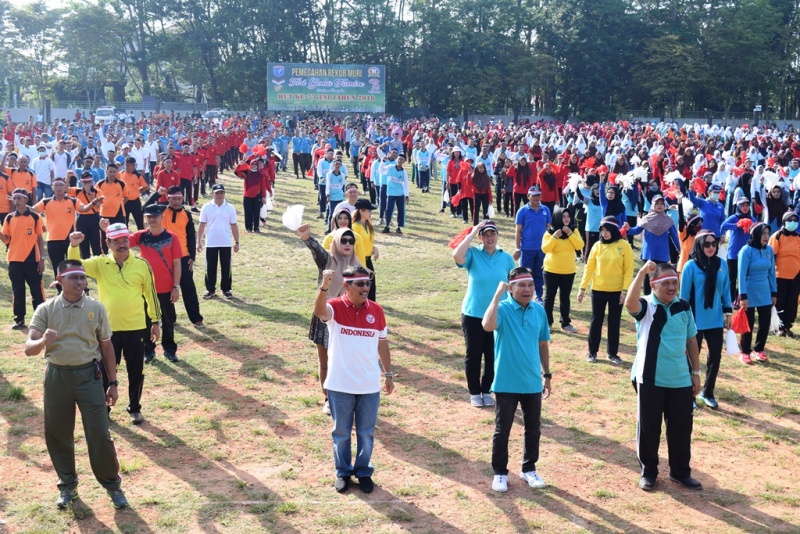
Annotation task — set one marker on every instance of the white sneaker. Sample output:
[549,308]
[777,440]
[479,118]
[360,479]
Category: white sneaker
[533,479]
[326,408]
[500,483]
[487,399]
[476,400]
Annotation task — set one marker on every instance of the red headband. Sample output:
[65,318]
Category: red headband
[520,278]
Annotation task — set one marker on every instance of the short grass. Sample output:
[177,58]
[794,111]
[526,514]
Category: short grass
[235,440]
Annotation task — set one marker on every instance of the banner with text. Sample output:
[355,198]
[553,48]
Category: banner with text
[318,87]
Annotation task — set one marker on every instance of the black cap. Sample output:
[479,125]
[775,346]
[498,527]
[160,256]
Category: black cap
[364,204]
[154,209]
[217,187]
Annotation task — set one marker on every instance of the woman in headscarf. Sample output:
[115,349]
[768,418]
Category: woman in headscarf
[738,225]
[343,218]
[687,230]
[593,211]
[341,256]
[465,190]
[704,285]
[610,199]
[559,245]
[785,244]
[757,290]
[776,208]
[550,183]
[659,231]
[482,189]
[522,173]
[609,269]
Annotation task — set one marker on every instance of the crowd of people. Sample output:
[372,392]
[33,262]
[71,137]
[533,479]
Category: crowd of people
[716,208]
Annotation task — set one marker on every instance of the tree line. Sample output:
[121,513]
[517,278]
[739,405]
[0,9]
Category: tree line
[584,58]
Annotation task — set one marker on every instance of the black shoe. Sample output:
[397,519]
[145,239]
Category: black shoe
[613,358]
[386,231]
[398,231]
[342,484]
[366,484]
[688,483]
[171,356]
[591,357]
[209,295]
[66,496]
[18,325]
[647,483]
[149,356]
[195,210]
[228,295]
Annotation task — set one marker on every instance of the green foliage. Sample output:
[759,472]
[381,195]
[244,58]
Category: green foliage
[571,58]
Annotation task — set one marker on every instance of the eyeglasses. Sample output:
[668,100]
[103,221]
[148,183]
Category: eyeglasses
[348,241]
[362,283]
[709,244]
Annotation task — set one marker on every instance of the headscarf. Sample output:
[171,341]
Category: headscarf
[744,183]
[786,216]
[756,231]
[481,180]
[523,174]
[615,207]
[610,224]
[709,266]
[558,221]
[776,207]
[693,225]
[338,261]
[657,223]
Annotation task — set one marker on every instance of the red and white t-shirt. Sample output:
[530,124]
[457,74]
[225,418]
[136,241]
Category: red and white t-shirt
[353,364]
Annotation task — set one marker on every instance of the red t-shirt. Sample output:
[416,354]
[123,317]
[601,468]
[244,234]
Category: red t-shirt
[166,179]
[159,251]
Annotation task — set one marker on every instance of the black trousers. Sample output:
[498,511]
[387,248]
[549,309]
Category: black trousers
[788,292]
[599,301]
[519,200]
[632,221]
[373,289]
[252,212]
[675,406]
[134,208]
[465,206]
[57,252]
[505,409]
[764,316]
[480,346]
[481,201]
[591,239]
[89,226]
[129,344]
[189,292]
[223,256]
[296,163]
[186,189]
[305,163]
[714,338]
[563,284]
[21,273]
[733,274]
[454,208]
[167,326]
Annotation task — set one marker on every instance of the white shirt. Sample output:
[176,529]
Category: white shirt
[141,158]
[42,169]
[61,166]
[218,221]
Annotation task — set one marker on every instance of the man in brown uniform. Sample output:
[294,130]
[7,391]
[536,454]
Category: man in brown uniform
[75,334]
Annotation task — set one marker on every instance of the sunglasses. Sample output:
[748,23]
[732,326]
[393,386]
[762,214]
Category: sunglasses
[710,244]
[362,283]
[348,241]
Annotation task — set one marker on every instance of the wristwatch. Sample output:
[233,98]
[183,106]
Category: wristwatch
[696,373]
[113,383]
[548,375]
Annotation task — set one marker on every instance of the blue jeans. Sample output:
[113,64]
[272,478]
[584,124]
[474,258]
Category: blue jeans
[329,215]
[534,260]
[401,210]
[364,409]
[43,191]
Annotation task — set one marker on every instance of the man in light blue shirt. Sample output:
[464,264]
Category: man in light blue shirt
[521,372]
[396,192]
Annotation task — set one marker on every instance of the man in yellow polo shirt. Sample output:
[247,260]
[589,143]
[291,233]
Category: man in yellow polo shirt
[123,280]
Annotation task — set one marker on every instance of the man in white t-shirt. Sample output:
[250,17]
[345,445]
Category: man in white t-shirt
[44,169]
[357,350]
[218,224]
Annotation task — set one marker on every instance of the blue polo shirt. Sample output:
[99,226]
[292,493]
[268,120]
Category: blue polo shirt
[517,363]
[534,225]
[484,272]
[662,331]
[713,213]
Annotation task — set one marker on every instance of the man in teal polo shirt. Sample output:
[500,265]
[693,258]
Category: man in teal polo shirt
[665,380]
[486,265]
[520,364]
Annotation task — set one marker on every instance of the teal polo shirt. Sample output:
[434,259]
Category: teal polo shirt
[484,272]
[517,364]
[662,331]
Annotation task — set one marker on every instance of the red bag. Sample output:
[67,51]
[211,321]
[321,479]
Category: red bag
[739,322]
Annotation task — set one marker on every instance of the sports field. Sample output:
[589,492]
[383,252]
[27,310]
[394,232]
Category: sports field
[235,440]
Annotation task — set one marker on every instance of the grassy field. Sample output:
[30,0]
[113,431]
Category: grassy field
[235,440]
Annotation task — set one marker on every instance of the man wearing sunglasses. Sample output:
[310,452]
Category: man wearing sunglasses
[357,350]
